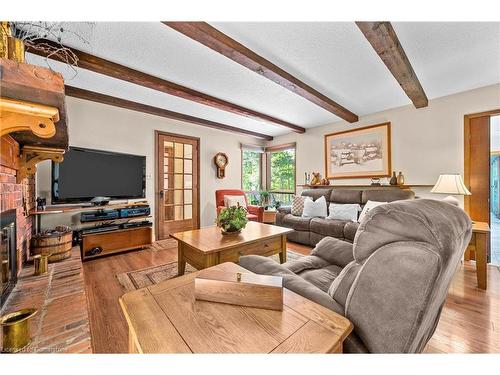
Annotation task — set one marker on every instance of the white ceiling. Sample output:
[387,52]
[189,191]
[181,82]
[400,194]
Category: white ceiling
[334,58]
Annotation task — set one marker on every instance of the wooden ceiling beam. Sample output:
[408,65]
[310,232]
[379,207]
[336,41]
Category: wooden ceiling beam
[114,70]
[209,36]
[139,107]
[385,42]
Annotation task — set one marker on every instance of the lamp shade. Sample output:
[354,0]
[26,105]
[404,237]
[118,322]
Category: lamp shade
[450,184]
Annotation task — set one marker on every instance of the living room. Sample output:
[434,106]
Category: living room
[249,187]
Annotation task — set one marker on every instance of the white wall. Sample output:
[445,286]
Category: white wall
[99,126]
[495,134]
[425,142]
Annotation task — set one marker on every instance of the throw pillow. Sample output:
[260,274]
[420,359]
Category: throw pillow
[368,206]
[233,200]
[298,205]
[344,211]
[315,208]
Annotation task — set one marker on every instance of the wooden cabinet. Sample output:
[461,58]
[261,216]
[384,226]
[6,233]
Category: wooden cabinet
[115,241]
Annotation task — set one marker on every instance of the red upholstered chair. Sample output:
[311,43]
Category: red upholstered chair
[255,213]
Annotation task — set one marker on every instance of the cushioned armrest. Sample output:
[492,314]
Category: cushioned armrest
[285,209]
[334,251]
[256,210]
[267,266]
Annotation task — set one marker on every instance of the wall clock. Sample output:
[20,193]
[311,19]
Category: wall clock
[221,160]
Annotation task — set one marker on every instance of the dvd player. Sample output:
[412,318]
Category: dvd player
[97,215]
[135,211]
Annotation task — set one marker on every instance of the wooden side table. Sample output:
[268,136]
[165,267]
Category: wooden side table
[478,251]
[269,217]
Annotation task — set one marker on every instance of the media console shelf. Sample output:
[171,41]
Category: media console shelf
[96,244]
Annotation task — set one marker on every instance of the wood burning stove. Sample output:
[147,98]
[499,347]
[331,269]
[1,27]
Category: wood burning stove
[8,258]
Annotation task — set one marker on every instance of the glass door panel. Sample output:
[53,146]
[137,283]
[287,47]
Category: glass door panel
[178,184]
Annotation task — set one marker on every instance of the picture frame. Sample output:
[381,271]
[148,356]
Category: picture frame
[359,153]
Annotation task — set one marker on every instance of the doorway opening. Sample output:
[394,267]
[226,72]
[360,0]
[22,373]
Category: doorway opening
[482,175]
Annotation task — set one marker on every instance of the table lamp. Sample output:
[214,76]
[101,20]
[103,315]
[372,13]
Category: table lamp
[450,184]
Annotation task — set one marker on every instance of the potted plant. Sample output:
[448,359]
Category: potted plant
[264,198]
[232,219]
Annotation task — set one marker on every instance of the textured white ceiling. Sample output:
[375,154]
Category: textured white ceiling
[333,57]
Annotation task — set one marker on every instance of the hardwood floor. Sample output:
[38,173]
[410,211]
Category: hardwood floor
[470,321]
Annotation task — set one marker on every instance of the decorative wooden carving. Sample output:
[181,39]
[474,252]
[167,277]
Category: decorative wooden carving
[17,115]
[34,84]
[32,155]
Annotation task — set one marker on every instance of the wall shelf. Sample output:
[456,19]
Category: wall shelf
[404,187]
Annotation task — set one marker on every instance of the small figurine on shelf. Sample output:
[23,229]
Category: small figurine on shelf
[394,179]
[325,182]
[40,204]
[375,181]
[316,178]
[401,178]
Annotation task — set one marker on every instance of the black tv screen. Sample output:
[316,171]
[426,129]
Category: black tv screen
[85,174]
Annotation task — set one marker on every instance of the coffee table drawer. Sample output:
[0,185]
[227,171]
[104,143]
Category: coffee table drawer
[265,247]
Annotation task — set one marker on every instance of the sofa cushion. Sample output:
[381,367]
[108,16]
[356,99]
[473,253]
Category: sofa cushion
[369,206]
[321,277]
[334,251]
[305,263]
[386,195]
[235,200]
[328,227]
[317,208]
[316,193]
[350,230]
[345,196]
[298,205]
[344,211]
[296,222]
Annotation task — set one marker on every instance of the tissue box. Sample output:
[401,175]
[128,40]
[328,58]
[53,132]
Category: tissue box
[244,289]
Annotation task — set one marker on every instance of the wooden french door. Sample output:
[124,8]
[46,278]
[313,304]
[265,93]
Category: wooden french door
[177,184]
[477,167]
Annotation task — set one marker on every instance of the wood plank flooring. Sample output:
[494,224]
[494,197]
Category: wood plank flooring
[470,321]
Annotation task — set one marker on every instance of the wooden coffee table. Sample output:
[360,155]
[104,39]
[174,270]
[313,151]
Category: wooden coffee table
[207,247]
[165,318]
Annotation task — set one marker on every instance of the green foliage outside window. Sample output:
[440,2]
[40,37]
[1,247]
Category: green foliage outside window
[282,170]
[251,171]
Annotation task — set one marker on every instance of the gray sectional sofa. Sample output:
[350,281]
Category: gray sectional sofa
[309,231]
[391,283]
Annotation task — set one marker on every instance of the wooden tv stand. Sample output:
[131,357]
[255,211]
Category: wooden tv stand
[110,242]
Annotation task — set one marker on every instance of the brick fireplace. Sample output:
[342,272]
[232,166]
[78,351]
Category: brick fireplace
[18,197]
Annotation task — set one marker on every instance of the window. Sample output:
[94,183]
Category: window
[280,163]
[251,176]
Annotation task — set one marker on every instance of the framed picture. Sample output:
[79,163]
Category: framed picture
[359,153]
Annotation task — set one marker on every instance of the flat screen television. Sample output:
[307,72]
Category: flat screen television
[85,174]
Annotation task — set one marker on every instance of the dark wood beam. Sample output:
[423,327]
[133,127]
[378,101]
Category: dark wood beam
[139,107]
[209,36]
[385,42]
[111,69]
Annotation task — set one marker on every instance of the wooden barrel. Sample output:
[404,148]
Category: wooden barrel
[58,244]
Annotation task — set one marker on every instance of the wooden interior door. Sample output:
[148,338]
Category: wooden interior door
[477,167]
[177,180]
